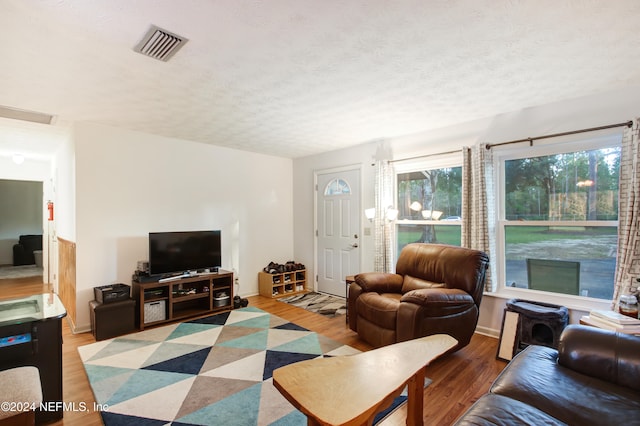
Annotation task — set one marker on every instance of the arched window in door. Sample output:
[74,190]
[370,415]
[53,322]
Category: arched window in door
[337,187]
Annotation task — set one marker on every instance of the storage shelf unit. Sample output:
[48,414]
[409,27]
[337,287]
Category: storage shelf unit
[282,284]
[158,303]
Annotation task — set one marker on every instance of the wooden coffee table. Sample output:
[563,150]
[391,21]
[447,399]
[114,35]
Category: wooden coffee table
[351,390]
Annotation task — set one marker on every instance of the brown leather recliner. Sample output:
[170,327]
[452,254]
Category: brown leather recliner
[436,289]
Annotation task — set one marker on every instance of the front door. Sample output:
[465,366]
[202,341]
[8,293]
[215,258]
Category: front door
[338,218]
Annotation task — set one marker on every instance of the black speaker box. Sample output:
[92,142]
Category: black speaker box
[112,293]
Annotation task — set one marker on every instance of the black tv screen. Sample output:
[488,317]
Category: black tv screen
[177,252]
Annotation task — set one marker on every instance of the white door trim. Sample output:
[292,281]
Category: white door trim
[351,167]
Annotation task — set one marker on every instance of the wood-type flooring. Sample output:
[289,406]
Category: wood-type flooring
[459,379]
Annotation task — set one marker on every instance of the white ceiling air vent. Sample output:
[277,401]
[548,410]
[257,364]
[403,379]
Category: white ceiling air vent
[160,44]
[21,114]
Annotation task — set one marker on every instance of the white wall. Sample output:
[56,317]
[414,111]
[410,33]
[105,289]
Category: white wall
[63,191]
[37,170]
[303,207]
[38,143]
[129,184]
[597,110]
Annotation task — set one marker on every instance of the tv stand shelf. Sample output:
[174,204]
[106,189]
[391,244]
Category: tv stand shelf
[162,302]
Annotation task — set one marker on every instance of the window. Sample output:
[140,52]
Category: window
[429,202]
[337,187]
[559,210]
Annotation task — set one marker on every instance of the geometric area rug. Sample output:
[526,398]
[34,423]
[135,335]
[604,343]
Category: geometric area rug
[215,370]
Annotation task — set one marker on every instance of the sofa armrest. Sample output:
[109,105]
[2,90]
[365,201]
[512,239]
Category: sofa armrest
[380,282]
[603,354]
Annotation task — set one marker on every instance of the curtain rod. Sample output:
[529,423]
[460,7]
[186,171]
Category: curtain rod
[426,155]
[555,135]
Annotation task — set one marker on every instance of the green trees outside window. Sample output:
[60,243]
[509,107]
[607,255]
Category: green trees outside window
[558,205]
[562,207]
[429,206]
[564,187]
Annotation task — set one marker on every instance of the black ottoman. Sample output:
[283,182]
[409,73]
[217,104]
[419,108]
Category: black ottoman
[112,319]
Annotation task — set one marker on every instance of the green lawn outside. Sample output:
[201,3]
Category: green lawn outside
[445,234]
[593,247]
[533,234]
[450,234]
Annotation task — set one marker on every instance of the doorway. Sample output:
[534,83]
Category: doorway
[21,229]
[338,240]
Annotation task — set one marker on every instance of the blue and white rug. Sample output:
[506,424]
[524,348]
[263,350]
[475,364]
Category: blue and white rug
[211,371]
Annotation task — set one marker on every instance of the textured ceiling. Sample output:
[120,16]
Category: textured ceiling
[299,77]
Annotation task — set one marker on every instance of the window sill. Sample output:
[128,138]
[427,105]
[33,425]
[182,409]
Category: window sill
[578,303]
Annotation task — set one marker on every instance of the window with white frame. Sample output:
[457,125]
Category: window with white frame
[429,201]
[558,224]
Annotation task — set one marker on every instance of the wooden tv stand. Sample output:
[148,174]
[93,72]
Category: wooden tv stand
[161,302]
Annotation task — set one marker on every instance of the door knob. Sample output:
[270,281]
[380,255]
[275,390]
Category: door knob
[354,245]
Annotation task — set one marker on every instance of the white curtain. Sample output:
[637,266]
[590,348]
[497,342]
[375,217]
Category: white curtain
[628,256]
[478,212]
[384,231]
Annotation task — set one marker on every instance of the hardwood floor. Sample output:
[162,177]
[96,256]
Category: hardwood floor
[75,386]
[458,379]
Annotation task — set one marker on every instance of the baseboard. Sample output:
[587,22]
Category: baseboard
[489,332]
[77,330]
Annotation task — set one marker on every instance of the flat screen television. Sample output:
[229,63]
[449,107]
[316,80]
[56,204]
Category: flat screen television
[179,252]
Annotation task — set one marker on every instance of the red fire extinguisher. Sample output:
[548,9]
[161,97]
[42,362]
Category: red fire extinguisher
[50,208]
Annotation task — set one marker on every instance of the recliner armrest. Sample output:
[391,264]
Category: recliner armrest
[426,296]
[380,282]
[604,354]
[439,302]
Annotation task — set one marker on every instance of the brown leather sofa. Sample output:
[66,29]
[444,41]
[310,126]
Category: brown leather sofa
[592,379]
[436,289]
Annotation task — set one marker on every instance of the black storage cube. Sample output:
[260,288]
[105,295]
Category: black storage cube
[112,319]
